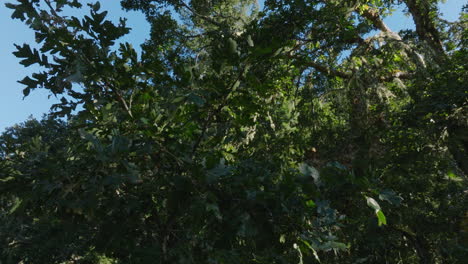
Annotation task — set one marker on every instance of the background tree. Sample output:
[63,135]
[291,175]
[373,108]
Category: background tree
[306,131]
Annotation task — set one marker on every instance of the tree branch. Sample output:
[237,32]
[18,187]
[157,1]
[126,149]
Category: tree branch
[119,97]
[373,16]
[52,10]
[425,27]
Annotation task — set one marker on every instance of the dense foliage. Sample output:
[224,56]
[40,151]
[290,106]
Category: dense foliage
[303,132]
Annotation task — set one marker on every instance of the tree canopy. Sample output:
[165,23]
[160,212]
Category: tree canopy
[300,132]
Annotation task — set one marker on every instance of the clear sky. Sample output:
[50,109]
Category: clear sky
[15,109]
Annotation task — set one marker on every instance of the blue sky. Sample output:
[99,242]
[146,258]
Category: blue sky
[15,109]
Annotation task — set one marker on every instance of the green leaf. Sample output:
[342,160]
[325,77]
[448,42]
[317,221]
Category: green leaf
[211,207]
[99,17]
[10,5]
[26,91]
[390,196]
[178,99]
[282,239]
[309,171]
[16,206]
[314,252]
[310,204]
[7,179]
[453,177]
[232,45]
[76,77]
[250,41]
[333,245]
[378,211]
[96,6]
[196,99]
[30,83]
[30,56]
[381,217]
[218,172]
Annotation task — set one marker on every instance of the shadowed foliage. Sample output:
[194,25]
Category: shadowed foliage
[303,132]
